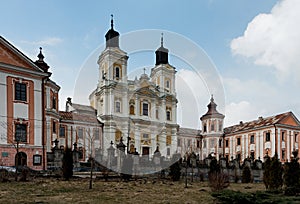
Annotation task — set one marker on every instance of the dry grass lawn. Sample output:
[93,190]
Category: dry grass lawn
[53,190]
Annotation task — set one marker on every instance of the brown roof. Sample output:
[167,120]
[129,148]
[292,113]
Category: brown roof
[85,108]
[212,111]
[187,132]
[260,122]
[78,117]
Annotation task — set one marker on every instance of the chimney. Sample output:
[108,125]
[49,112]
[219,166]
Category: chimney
[260,118]
[241,123]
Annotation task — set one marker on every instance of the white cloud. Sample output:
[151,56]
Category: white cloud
[50,41]
[193,96]
[241,111]
[273,39]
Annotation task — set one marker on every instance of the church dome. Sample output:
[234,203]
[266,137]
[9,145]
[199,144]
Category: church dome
[161,54]
[212,111]
[112,36]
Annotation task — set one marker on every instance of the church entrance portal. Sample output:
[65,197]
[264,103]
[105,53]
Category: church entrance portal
[21,159]
[145,150]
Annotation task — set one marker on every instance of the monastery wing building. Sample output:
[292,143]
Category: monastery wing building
[254,139]
[142,111]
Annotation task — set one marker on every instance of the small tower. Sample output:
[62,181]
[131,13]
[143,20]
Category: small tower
[212,129]
[163,74]
[112,36]
[162,53]
[112,61]
[40,62]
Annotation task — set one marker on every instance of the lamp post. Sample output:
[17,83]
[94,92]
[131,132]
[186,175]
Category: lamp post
[128,136]
[17,159]
[185,163]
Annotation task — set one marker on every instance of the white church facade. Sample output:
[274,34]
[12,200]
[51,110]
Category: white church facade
[140,112]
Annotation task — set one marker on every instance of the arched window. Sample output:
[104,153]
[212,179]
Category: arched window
[212,126]
[118,106]
[168,115]
[168,84]
[145,108]
[117,69]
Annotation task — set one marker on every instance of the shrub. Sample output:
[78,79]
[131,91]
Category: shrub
[291,177]
[175,171]
[267,169]
[276,171]
[246,175]
[217,179]
[67,164]
[4,175]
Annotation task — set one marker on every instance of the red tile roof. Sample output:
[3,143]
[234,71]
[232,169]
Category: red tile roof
[78,117]
[260,122]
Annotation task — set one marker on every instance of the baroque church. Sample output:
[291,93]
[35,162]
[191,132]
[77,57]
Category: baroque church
[140,112]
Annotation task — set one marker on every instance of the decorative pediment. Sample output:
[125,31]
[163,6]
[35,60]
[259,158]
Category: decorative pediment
[12,56]
[290,119]
[147,91]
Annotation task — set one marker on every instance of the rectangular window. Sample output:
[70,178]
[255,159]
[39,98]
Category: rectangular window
[204,143]
[54,127]
[97,134]
[168,151]
[212,143]
[204,128]
[220,127]
[156,113]
[118,107]
[198,144]
[146,136]
[21,133]
[37,160]
[145,109]
[296,137]
[189,143]
[178,142]
[20,92]
[252,139]
[283,155]
[80,133]
[168,115]
[268,136]
[282,136]
[226,143]
[80,151]
[220,142]
[212,127]
[62,131]
[252,155]
[238,141]
[54,103]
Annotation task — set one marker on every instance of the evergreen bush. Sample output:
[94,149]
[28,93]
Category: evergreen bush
[67,164]
[175,171]
[246,175]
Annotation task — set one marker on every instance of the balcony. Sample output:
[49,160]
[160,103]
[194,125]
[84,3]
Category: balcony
[226,150]
[252,147]
[268,145]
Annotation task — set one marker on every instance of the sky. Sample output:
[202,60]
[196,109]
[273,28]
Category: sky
[250,47]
